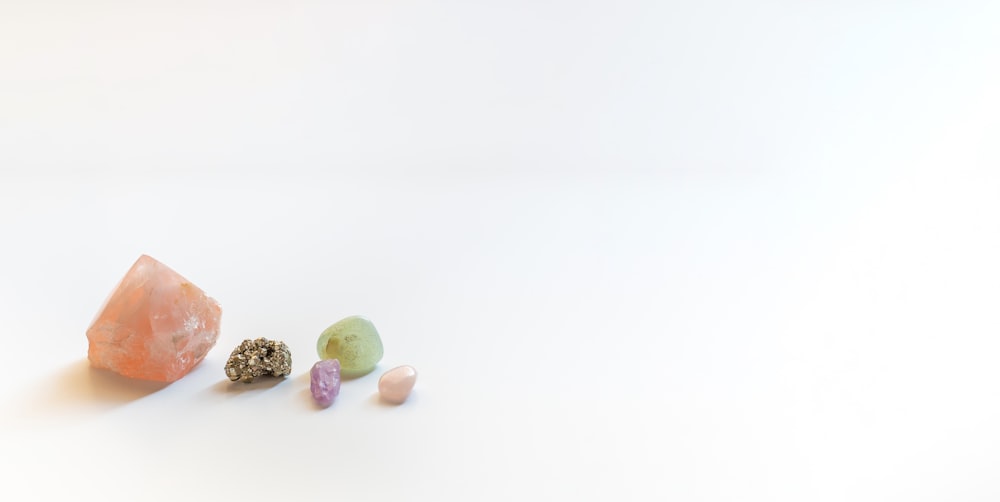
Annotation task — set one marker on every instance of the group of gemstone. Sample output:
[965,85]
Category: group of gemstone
[158,326]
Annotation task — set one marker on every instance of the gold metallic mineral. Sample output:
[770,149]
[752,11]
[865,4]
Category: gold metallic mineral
[260,357]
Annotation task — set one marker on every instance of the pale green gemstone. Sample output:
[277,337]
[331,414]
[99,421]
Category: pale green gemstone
[354,342]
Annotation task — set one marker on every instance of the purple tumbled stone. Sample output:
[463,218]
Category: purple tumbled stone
[324,381]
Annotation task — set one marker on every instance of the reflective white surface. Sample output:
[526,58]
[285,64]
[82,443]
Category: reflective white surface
[636,250]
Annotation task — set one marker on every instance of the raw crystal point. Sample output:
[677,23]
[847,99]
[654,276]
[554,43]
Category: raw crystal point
[324,381]
[260,357]
[354,342]
[156,325]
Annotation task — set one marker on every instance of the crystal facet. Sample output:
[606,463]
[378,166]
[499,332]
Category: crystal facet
[354,342]
[396,384]
[156,325]
[260,357]
[324,381]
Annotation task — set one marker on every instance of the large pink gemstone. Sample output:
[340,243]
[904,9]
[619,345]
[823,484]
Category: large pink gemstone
[156,325]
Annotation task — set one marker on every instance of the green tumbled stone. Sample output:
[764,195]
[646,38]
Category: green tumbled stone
[354,342]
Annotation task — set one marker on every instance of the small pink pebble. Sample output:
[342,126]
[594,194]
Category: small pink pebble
[395,385]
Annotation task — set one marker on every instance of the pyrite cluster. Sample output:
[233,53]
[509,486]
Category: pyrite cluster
[260,357]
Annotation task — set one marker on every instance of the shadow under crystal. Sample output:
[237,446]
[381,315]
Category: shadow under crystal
[79,387]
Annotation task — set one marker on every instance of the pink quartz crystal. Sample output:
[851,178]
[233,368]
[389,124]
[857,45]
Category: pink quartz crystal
[156,325]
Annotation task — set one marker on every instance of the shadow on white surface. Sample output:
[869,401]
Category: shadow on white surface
[376,399]
[228,387]
[80,387]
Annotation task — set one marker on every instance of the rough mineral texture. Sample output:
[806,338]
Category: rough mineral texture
[324,381]
[156,325]
[354,342]
[256,358]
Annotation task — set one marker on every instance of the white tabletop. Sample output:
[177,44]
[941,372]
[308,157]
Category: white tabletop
[692,251]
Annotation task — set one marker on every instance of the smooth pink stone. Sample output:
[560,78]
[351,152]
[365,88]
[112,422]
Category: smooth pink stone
[156,325]
[396,384]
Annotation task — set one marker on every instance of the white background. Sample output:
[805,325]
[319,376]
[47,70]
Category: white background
[696,251]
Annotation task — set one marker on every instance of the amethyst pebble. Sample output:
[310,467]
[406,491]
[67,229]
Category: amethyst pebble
[324,381]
